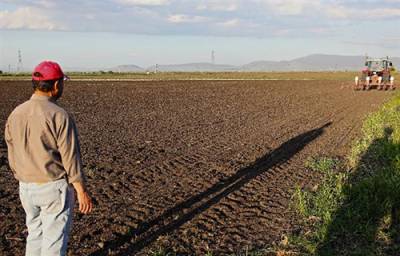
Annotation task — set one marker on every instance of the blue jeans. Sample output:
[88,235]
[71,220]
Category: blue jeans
[49,210]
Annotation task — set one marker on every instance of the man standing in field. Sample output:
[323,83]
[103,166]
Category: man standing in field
[44,155]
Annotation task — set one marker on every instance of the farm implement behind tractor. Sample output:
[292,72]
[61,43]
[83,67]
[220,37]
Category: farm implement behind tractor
[378,73]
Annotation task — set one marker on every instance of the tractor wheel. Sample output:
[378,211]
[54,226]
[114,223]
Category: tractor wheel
[391,81]
[385,82]
[385,78]
[357,84]
[366,86]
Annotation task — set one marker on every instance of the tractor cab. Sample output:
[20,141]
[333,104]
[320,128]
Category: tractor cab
[378,65]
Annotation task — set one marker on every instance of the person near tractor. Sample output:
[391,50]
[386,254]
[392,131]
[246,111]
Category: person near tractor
[44,156]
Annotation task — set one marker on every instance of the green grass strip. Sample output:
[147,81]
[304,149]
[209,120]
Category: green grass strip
[355,210]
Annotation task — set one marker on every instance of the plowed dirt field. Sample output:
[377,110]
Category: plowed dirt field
[191,166]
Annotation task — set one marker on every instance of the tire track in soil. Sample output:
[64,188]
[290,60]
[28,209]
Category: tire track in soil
[187,165]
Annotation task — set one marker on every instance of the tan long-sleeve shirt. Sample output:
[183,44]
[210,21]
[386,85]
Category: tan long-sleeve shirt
[43,142]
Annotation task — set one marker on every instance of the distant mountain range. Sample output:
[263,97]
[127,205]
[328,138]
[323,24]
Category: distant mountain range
[315,62]
[127,68]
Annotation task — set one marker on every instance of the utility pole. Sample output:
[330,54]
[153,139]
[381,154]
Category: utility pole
[213,57]
[19,65]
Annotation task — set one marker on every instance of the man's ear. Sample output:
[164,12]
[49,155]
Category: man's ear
[57,85]
[56,88]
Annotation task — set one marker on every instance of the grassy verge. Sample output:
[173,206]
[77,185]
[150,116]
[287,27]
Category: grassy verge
[341,76]
[356,208]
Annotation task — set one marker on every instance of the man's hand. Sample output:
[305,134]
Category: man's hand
[84,199]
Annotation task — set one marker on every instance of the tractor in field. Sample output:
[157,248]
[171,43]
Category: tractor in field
[378,73]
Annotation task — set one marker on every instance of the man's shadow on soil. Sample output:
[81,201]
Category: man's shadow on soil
[368,222]
[175,217]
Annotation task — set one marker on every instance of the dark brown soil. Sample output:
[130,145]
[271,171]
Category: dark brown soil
[190,166]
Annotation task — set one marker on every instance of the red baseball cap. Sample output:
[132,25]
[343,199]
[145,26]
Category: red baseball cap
[48,70]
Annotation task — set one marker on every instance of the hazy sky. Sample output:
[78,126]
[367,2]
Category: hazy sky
[106,33]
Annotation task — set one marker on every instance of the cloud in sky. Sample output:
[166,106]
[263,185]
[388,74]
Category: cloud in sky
[380,12]
[144,2]
[230,23]
[182,18]
[289,7]
[185,17]
[227,6]
[28,18]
